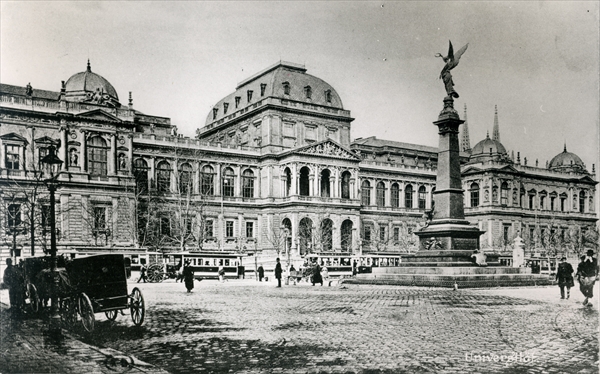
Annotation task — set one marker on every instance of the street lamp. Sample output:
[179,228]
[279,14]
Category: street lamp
[53,164]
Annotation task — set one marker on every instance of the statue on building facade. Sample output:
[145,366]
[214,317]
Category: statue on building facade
[451,61]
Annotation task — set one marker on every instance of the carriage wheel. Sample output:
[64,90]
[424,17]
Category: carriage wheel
[111,315]
[137,306]
[155,274]
[34,298]
[68,311]
[87,312]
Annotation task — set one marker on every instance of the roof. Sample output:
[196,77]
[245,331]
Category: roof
[22,91]
[372,141]
[87,81]
[270,83]
[566,160]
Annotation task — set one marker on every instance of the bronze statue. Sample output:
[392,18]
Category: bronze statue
[451,61]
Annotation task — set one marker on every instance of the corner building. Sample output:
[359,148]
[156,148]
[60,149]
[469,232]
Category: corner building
[273,170]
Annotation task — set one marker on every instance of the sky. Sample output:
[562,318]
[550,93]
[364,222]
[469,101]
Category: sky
[537,61]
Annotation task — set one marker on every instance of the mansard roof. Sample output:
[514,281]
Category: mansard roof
[22,91]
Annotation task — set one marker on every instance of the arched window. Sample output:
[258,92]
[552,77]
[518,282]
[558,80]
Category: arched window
[228,182]
[582,202]
[207,181]
[366,193]
[305,236]
[504,193]
[395,195]
[304,181]
[325,190]
[248,183]
[327,235]
[346,184]
[347,236]
[185,179]
[163,176]
[408,196]
[380,195]
[288,181]
[474,192]
[287,226]
[140,172]
[422,197]
[97,151]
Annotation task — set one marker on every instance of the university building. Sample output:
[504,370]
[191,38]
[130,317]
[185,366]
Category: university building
[273,169]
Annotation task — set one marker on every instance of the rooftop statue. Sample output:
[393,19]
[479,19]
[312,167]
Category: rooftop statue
[451,62]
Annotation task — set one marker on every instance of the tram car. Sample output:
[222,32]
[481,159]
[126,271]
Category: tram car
[342,265]
[206,264]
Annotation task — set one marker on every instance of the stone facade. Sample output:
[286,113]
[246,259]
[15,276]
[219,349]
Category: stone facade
[272,169]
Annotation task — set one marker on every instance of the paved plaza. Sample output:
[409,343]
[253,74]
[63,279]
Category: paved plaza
[243,326]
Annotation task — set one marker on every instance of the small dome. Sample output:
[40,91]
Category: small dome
[88,86]
[488,147]
[566,161]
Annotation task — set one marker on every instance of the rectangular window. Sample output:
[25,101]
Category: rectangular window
[506,234]
[188,225]
[366,196]
[552,203]
[367,234]
[209,229]
[396,233]
[531,235]
[562,204]
[531,201]
[99,218]
[542,202]
[45,217]
[12,157]
[382,233]
[249,229]
[14,215]
[229,229]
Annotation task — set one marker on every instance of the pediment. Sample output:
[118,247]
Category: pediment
[46,140]
[587,179]
[99,114]
[470,170]
[14,137]
[327,148]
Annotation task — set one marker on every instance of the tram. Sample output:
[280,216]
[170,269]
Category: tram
[542,264]
[341,265]
[206,264]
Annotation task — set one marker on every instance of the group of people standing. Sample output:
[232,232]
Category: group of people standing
[586,275]
[314,272]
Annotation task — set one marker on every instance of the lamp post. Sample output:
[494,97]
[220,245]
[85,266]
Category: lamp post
[53,163]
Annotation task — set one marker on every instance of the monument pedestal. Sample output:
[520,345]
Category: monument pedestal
[448,242]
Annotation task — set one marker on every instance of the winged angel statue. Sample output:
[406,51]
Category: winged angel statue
[451,62]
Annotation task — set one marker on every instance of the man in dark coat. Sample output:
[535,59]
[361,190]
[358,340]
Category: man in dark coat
[564,276]
[587,273]
[261,273]
[278,272]
[316,276]
[188,276]
[13,280]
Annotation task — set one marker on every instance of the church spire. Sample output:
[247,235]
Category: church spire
[465,143]
[496,133]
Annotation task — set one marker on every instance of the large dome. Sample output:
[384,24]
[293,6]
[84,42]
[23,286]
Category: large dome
[89,86]
[566,161]
[283,80]
[488,149]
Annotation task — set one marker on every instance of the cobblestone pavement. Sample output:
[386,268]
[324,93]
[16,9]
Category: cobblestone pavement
[243,326]
[25,348]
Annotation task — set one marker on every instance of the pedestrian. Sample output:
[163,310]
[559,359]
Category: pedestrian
[13,280]
[278,272]
[324,274]
[564,276]
[142,274]
[292,275]
[354,268]
[587,273]
[261,273]
[316,276]
[221,274]
[178,273]
[188,276]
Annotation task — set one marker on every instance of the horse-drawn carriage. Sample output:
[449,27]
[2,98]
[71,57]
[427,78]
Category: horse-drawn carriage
[85,286]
